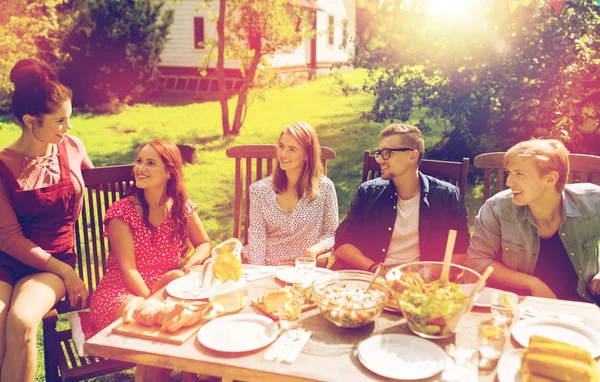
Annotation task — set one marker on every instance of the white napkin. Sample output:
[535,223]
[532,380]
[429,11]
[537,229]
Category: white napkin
[286,348]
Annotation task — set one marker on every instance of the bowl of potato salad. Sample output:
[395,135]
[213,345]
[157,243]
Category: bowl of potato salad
[343,299]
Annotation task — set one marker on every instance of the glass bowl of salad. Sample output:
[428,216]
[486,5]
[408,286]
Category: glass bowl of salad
[433,309]
[343,299]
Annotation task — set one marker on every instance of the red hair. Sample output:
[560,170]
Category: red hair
[171,157]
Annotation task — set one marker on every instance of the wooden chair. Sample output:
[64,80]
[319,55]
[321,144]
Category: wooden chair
[584,168]
[103,186]
[452,172]
[252,163]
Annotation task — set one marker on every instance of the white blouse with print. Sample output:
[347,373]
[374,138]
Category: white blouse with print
[276,237]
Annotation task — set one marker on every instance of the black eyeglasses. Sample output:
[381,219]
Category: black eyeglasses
[385,153]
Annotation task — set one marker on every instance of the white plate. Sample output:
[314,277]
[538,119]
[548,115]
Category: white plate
[509,365]
[178,288]
[401,356]
[292,275]
[569,332]
[238,333]
[484,300]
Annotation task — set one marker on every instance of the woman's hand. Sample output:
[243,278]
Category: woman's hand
[310,252]
[76,288]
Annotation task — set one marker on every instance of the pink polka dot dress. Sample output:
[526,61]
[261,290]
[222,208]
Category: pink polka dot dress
[153,257]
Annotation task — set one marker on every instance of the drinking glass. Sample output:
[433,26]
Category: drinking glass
[288,310]
[492,340]
[504,305]
[197,279]
[305,265]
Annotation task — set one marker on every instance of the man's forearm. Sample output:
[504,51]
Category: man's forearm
[506,277]
[352,256]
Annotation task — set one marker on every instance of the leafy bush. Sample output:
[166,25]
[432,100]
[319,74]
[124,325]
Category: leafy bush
[114,51]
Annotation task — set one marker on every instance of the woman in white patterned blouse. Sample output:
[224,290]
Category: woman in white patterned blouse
[294,212]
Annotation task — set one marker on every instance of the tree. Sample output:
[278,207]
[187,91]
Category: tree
[29,29]
[115,49]
[509,77]
[251,31]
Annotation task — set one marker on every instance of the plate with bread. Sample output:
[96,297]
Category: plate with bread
[268,301]
[565,331]
[547,360]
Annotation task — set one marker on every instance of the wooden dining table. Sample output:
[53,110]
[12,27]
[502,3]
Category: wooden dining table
[329,355]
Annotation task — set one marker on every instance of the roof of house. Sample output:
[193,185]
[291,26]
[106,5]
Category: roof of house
[310,4]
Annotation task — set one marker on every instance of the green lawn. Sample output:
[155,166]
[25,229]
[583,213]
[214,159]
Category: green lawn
[113,139]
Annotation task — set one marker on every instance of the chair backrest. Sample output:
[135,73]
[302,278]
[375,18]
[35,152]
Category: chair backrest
[252,163]
[584,168]
[452,172]
[103,186]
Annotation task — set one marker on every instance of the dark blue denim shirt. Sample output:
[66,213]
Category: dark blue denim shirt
[370,222]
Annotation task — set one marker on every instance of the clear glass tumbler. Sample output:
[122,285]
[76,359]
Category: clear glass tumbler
[305,266]
[504,306]
[492,340]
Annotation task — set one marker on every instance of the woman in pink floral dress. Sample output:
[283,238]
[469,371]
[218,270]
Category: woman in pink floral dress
[149,233]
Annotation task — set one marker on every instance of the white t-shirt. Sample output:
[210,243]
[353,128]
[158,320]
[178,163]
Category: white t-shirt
[404,246]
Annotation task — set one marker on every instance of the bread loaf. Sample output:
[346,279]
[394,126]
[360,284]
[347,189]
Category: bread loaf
[270,298]
[551,360]
[184,319]
[130,307]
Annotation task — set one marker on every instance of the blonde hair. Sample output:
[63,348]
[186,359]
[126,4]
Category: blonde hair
[411,135]
[313,168]
[547,154]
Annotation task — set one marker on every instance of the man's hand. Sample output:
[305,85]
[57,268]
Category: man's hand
[539,289]
[594,285]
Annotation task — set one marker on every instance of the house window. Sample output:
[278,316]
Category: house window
[344,33]
[331,30]
[198,32]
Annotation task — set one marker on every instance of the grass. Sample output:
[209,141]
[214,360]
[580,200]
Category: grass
[113,139]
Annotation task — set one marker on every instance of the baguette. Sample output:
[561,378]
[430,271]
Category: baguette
[167,312]
[130,307]
[184,319]
[147,311]
[557,368]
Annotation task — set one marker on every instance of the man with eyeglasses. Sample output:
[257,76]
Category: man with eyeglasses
[404,215]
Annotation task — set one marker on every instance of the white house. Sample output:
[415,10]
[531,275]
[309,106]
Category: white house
[185,51]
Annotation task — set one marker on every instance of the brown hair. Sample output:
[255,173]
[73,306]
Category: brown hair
[37,90]
[548,155]
[411,135]
[171,157]
[313,168]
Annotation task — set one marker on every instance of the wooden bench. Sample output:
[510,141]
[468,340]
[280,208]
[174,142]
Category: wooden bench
[103,186]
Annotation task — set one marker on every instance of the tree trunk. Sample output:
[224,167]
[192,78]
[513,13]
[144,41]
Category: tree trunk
[243,95]
[223,96]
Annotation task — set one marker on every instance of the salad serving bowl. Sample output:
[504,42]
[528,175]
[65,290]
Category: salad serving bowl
[433,309]
[343,300]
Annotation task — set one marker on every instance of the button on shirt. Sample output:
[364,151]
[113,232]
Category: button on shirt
[507,233]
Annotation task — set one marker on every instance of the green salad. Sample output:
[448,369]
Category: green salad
[429,307]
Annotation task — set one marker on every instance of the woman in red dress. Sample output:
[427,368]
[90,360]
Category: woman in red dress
[41,191]
[149,233]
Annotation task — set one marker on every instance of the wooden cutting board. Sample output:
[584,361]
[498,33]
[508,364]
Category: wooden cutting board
[154,333]
[273,315]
